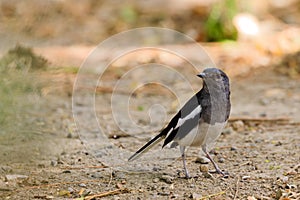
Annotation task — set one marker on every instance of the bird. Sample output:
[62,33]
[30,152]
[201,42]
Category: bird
[200,121]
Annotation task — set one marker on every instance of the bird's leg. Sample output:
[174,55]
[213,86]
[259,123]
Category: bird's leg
[218,170]
[182,150]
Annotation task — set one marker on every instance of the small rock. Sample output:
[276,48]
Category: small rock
[196,196]
[141,190]
[245,177]
[238,125]
[119,185]
[221,160]
[71,190]
[66,172]
[96,175]
[13,177]
[208,175]
[251,198]
[233,148]
[285,179]
[202,160]
[203,168]
[167,179]
[53,163]
[82,185]
[60,162]
[171,187]
[155,180]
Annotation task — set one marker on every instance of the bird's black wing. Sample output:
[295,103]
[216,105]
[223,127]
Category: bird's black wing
[185,120]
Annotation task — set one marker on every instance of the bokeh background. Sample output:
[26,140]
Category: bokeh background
[43,45]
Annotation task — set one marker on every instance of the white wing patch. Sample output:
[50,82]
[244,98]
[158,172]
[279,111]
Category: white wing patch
[195,112]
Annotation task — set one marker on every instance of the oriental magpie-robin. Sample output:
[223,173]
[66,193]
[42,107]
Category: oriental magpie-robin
[201,119]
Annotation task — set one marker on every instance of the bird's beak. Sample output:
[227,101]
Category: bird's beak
[201,75]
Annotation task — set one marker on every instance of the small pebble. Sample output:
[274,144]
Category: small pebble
[245,177]
[71,190]
[82,185]
[196,196]
[167,179]
[221,160]
[208,175]
[228,131]
[238,125]
[66,171]
[171,187]
[96,175]
[202,160]
[53,163]
[141,190]
[233,148]
[203,168]
[285,179]
[155,180]
[15,177]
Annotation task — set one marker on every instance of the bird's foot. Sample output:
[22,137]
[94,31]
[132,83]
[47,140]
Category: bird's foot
[187,174]
[218,171]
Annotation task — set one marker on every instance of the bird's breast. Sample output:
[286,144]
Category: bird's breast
[203,134]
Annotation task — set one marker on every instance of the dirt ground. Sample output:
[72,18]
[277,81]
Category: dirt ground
[260,149]
[51,146]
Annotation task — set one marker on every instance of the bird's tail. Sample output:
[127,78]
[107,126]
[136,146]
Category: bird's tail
[146,147]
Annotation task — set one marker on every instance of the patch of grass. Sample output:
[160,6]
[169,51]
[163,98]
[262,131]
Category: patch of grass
[65,69]
[22,58]
[18,80]
[219,25]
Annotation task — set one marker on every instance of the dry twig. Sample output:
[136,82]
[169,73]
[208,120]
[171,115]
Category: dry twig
[212,195]
[104,194]
[84,167]
[236,188]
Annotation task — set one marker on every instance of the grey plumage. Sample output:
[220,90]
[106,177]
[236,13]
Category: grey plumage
[201,119]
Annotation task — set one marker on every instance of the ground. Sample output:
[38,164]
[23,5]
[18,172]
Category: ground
[51,146]
[259,148]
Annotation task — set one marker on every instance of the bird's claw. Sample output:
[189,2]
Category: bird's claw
[218,171]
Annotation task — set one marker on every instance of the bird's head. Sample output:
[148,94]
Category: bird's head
[213,77]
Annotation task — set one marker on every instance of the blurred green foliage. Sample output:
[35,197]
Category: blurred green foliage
[129,14]
[21,58]
[219,25]
[17,81]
